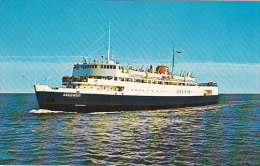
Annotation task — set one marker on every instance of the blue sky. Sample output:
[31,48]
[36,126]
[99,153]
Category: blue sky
[219,41]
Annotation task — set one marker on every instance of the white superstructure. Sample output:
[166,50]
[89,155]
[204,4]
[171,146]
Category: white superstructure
[110,78]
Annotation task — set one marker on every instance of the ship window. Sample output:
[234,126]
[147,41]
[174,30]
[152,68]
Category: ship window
[119,67]
[95,66]
[115,78]
[114,67]
[101,66]
[111,67]
[87,66]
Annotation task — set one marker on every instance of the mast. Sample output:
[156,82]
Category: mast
[172,59]
[108,51]
[173,56]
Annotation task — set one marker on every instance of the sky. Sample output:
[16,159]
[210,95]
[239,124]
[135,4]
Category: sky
[219,41]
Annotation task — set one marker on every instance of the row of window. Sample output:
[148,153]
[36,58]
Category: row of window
[183,91]
[178,91]
[152,82]
[95,66]
[109,67]
[121,89]
[89,66]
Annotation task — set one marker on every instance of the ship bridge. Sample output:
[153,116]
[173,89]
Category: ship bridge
[107,69]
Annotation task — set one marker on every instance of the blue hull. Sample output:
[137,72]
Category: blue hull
[105,103]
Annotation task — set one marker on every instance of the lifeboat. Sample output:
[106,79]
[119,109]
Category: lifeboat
[162,69]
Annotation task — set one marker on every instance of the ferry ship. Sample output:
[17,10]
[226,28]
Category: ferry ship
[108,86]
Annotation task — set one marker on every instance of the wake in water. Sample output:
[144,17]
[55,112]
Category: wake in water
[207,107]
[45,111]
[116,112]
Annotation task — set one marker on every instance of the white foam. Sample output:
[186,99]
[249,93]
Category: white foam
[207,107]
[117,112]
[45,111]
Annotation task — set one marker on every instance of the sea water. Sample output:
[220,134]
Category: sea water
[227,133]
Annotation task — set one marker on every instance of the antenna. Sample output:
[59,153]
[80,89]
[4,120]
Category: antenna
[85,59]
[102,57]
[172,59]
[108,51]
[173,56]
